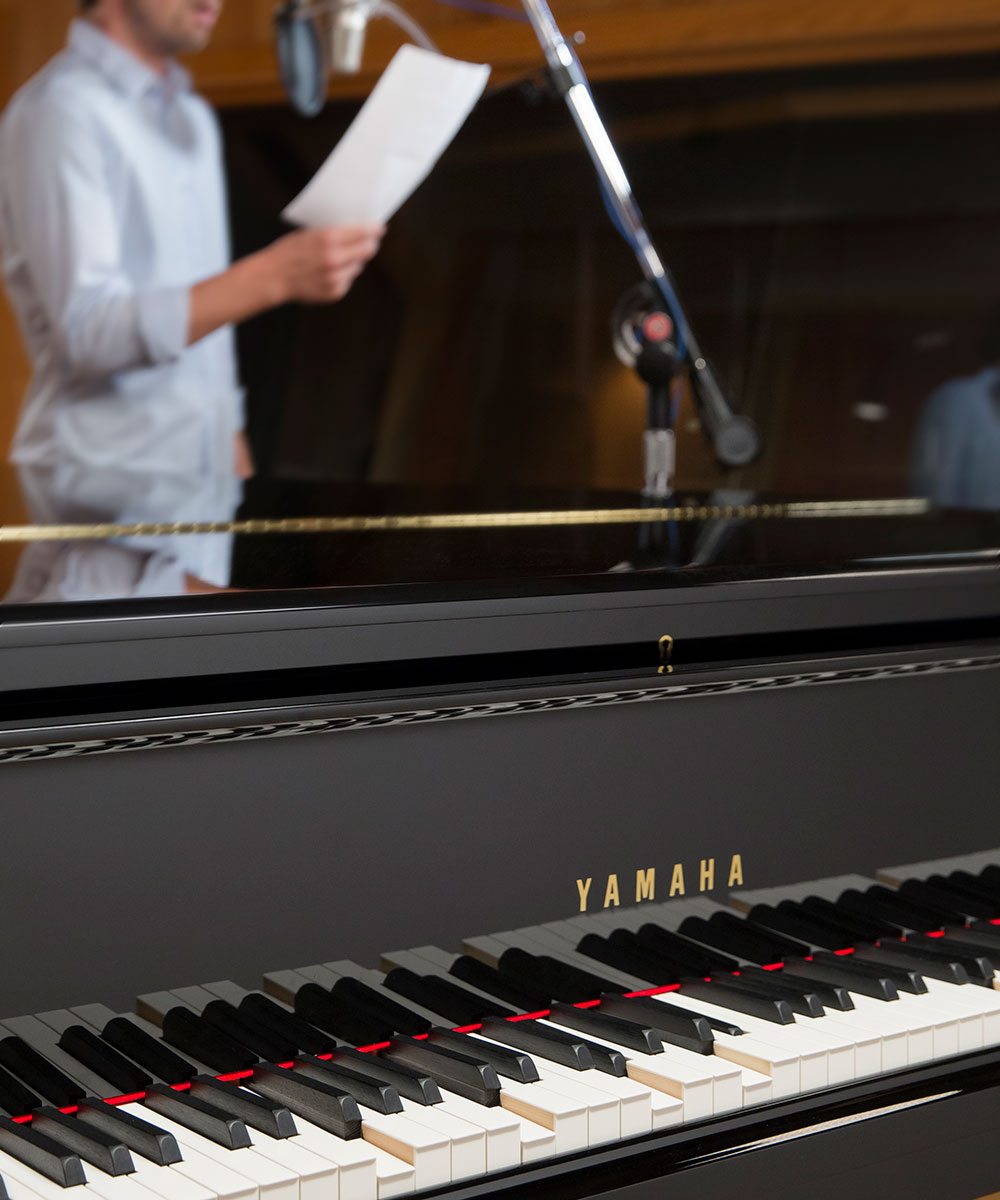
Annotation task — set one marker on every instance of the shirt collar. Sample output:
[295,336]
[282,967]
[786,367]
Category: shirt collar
[122,69]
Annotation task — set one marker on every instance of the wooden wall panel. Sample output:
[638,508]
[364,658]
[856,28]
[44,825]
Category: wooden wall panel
[631,38]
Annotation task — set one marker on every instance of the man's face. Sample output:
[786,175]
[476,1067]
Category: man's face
[172,27]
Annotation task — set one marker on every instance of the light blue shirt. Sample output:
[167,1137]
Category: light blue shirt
[112,205]
[956,461]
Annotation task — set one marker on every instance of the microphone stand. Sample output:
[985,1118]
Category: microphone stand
[734,437]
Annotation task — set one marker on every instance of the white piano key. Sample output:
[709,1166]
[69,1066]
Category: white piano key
[829,888]
[667,1111]
[13,1170]
[46,1041]
[226,1183]
[225,989]
[673,1074]
[168,1183]
[318,1178]
[502,1130]
[566,1118]
[282,985]
[487,949]
[273,1180]
[428,1153]
[813,1058]
[635,1099]
[154,1006]
[358,1163]
[468,1140]
[94,1015]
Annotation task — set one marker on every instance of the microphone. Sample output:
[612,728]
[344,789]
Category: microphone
[348,25]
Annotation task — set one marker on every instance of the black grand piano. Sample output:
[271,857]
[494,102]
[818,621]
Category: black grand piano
[683,815]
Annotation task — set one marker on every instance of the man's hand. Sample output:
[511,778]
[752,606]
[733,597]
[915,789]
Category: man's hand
[313,266]
[318,266]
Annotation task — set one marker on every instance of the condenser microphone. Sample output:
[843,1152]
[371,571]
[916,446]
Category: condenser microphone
[348,25]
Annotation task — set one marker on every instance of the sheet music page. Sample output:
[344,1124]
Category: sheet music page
[405,125]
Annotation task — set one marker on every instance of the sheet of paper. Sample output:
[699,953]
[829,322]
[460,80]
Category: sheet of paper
[405,125]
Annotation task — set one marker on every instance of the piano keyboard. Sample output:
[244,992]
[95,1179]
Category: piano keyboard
[337,1082]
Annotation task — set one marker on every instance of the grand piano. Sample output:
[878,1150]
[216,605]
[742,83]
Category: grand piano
[682,814]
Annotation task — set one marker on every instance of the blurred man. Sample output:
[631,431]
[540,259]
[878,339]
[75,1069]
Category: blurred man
[956,460]
[115,253]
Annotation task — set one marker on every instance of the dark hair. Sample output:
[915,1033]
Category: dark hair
[85,4]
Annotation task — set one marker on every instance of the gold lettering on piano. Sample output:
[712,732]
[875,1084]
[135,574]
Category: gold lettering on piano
[645,885]
[645,881]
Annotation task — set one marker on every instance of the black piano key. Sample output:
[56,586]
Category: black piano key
[488,979]
[781,943]
[979,886]
[558,979]
[258,1112]
[987,929]
[192,1035]
[317,1006]
[991,875]
[696,959]
[807,928]
[86,1047]
[3,1190]
[687,1031]
[754,1004]
[963,941]
[512,1064]
[103,1150]
[768,983]
[307,1039]
[141,1137]
[554,1044]
[15,1099]
[632,1034]
[329,1107]
[466,1074]
[881,901]
[368,1000]
[159,1060]
[906,979]
[38,1073]
[639,962]
[413,1085]
[41,1154]
[829,995]
[974,892]
[977,966]
[262,1042]
[854,927]
[670,967]
[844,972]
[448,1000]
[373,1093]
[198,1115]
[936,968]
[946,900]
[741,940]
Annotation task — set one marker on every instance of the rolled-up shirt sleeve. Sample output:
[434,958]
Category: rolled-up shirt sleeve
[63,228]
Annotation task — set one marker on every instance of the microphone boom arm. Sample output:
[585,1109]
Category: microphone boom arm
[734,437]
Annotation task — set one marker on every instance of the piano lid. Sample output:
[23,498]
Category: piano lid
[114,537]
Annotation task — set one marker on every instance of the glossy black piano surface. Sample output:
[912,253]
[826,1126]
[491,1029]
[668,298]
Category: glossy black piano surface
[387,737]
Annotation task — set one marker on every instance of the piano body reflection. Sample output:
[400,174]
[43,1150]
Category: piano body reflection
[529,848]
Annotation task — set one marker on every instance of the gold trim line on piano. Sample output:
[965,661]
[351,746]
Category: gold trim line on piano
[504,520]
